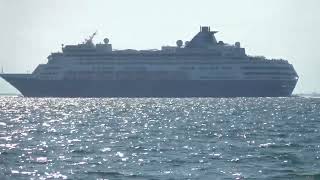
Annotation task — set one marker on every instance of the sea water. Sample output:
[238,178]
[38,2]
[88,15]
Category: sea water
[155,138]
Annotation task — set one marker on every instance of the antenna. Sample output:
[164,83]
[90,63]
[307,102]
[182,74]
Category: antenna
[89,41]
[92,36]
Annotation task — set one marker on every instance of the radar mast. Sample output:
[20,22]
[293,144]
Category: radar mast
[89,41]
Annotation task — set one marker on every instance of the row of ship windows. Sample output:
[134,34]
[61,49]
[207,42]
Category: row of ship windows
[218,77]
[233,77]
[155,61]
[105,57]
[269,77]
[210,62]
[130,76]
[146,59]
[104,69]
[174,62]
[52,68]
[162,62]
[190,68]
[125,72]
[269,73]
[128,55]
[266,67]
[151,72]
[48,73]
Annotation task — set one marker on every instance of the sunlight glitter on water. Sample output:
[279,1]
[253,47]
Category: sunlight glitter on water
[195,138]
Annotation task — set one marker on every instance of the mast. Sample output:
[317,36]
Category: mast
[89,41]
[92,36]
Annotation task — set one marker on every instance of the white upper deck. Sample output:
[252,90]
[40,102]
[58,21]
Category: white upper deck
[201,58]
[204,43]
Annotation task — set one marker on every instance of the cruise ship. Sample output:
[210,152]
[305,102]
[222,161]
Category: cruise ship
[201,67]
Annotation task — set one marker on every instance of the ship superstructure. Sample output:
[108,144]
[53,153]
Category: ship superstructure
[202,67]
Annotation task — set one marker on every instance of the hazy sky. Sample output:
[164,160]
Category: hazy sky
[32,29]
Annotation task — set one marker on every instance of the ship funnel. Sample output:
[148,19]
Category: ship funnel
[204,39]
[205,29]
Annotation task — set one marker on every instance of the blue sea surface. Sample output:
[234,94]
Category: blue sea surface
[151,138]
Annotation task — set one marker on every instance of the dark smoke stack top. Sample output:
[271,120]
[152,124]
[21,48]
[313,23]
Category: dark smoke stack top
[205,29]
